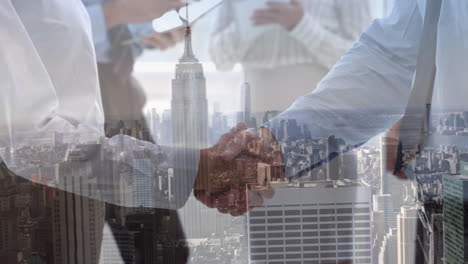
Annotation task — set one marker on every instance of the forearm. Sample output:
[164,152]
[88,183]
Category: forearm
[225,48]
[364,94]
[114,13]
[326,44]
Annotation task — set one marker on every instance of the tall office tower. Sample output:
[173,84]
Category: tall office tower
[455,189]
[8,216]
[143,176]
[384,218]
[118,246]
[189,104]
[321,222]
[155,123]
[437,239]
[430,237]
[166,127]
[383,166]
[157,236]
[218,125]
[189,113]
[389,250]
[384,203]
[407,221]
[246,104]
[389,184]
[77,219]
[246,107]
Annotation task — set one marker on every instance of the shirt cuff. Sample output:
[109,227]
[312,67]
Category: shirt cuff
[140,30]
[184,162]
[307,31]
[99,30]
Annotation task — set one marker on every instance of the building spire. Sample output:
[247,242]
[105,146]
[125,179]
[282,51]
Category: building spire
[188,55]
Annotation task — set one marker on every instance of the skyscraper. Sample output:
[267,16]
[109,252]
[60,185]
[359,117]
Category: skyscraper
[406,234]
[246,107]
[155,123]
[388,251]
[189,106]
[322,222]
[77,220]
[143,187]
[455,216]
[166,128]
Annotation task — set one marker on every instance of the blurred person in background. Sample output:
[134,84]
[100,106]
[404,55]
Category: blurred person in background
[115,23]
[122,30]
[289,58]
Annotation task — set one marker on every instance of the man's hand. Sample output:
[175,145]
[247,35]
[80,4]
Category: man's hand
[166,40]
[228,172]
[287,15]
[118,12]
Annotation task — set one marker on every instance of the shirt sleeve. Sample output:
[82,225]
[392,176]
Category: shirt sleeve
[168,172]
[225,48]
[366,92]
[99,30]
[353,16]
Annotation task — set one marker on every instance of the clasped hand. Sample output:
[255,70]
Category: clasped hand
[228,172]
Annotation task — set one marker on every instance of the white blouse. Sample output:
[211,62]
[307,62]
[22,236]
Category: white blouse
[327,30]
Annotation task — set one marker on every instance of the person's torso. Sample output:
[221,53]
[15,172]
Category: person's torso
[277,47]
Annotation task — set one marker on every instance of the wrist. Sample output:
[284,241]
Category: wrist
[113,13]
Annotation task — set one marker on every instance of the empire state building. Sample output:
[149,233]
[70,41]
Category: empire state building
[189,104]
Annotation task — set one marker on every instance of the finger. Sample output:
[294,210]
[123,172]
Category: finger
[265,19]
[278,7]
[223,203]
[236,144]
[240,207]
[168,36]
[150,42]
[265,14]
[205,199]
[250,135]
[239,127]
[157,41]
[263,22]
[165,40]
[233,148]
[223,141]
[177,34]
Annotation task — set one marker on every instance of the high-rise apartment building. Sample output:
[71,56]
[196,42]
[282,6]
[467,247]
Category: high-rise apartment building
[77,221]
[455,189]
[389,250]
[321,222]
[407,221]
[143,177]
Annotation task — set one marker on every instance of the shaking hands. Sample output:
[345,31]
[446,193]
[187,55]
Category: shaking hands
[235,174]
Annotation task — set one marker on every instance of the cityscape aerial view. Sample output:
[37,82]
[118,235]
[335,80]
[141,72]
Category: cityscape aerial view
[233,132]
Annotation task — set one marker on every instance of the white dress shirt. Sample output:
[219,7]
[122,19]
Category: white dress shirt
[367,91]
[51,114]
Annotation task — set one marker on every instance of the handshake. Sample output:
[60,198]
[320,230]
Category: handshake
[234,175]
